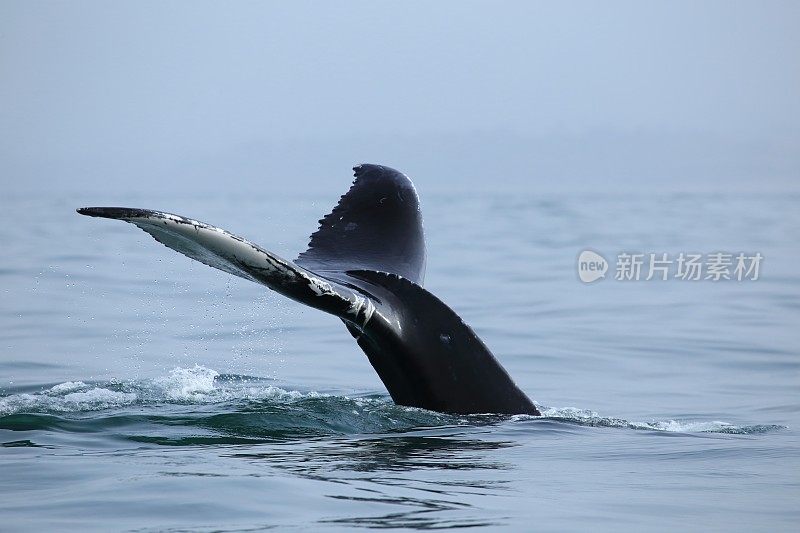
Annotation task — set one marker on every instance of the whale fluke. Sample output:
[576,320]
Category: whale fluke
[366,265]
[377,225]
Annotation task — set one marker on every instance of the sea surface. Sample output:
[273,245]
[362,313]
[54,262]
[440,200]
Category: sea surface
[140,391]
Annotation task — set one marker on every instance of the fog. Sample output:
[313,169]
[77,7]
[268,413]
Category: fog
[254,96]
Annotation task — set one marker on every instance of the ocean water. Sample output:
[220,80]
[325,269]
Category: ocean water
[140,391]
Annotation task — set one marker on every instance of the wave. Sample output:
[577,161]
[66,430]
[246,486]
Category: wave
[585,417]
[222,407]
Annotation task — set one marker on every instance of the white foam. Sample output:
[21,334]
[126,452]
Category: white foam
[97,398]
[572,413]
[94,399]
[201,385]
[188,383]
[592,418]
[196,385]
[679,426]
[69,386]
[17,403]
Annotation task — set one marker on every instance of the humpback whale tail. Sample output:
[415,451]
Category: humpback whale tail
[366,265]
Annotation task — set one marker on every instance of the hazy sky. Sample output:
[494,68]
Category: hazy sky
[130,95]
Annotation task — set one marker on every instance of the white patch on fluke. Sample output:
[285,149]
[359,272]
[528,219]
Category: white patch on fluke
[319,287]
[359,304]
[355,305]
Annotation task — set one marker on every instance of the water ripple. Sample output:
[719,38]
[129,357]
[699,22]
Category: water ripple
[198,406]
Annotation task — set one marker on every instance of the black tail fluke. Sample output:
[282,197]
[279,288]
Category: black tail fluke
[365,264]
[377,225]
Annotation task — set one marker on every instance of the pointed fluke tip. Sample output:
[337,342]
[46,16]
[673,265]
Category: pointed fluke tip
[111,212]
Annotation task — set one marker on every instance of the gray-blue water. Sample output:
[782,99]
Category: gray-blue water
[142,391]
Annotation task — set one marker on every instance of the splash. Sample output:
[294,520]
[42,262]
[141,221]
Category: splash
[72,396]
[203,386]
[188,384]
